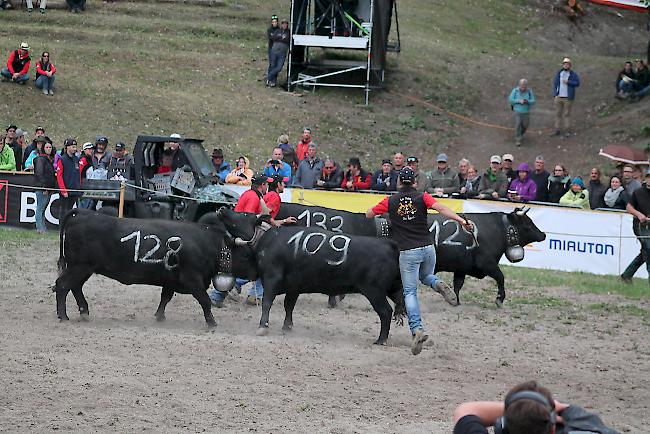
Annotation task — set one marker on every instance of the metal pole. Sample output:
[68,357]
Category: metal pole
[290,47]
[372,27]
[122,194]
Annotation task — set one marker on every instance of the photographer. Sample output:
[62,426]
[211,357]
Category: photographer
[241,175]
[275,165]
[521,100]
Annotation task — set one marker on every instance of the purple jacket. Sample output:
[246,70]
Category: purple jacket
[527,189]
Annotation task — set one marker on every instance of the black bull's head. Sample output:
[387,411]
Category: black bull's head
[520,231]
[246,228]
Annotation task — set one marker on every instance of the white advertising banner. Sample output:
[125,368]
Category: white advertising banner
[576,240]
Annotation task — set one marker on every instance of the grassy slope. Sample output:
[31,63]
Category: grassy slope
[128,68]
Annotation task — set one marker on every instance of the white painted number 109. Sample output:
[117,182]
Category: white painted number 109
[169,260]
[338,243]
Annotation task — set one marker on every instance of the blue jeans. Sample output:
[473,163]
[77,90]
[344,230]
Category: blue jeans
[42,199]
[21,78]
[256,291]
[643,92]
[413,264]
[276,62]
[44,82]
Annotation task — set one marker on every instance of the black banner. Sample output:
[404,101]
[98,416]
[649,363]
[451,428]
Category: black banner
[18,204]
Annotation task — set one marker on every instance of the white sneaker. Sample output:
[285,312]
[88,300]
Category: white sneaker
[51,92]
[45,92]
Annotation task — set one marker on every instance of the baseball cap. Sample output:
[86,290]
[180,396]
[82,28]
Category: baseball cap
[24,46]
[442,157]
[40,139]
[39,128]
[119,146]
[88,145]
[495,159]
[10,126]
[19,133]
[566,60]
[217,153]
[508,157]
[69,142]
[412,160]
[259,179]
[175,136]
[274,17]
[406,175]
[276,178]
[101,139]
[386,161]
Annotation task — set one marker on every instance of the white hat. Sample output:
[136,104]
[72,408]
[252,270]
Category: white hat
[566,60]
[175,136]
[508,157]
[495,159]
[24,46]
[87,145]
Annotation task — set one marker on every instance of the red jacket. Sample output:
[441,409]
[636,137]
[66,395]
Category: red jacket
[272,200]
[301,149]
[250,201]
[48,68]
[359,182]
[15,61]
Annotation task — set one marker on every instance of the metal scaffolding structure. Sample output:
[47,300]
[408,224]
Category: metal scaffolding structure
[334,27]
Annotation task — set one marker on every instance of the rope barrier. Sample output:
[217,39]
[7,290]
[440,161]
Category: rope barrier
[31,187]
[597,236]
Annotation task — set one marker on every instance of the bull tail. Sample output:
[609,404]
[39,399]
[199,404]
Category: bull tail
[62,263]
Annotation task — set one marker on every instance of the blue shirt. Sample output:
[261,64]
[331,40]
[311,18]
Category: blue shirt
[285,171]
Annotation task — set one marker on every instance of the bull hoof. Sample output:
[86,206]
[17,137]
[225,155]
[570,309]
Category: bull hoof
[160,317]
[84,317]
[63,318]
[287,327]
[499,302]
[380,342]
[262,331]
[211,324]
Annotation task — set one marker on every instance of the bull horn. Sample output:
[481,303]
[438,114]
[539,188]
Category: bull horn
[520,212]
[240,242]
[526,210]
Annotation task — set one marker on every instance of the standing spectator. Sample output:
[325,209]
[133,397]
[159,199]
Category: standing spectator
[463,166]
[417,258]
[596,189]
[507,167]
[493,182]
[45,71]
[639,207]
[421,181]
[76,6]
[540,177]
[67,176]
[269,38]
[180,159]
[42,5]
[522,188]
[443,181]
[120,166]
[19,149]
[615,196]
[288,153]
[44,177]
[276,165]
[577,195]
[240,175]
[356,178]
[398,161]
[40,131]
[303,144]
[7,158]
[331,176]
[564,92]
[10,138]
[309,169]
[626,82]
[521,100]
[281,38]
[29,162]
[558,183]
[384,179]
[220,166]
[17,69]
[86,169]
[630,183]
[472,184]
[101,158]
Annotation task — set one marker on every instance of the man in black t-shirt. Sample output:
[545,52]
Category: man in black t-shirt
[417,257]
[639,207]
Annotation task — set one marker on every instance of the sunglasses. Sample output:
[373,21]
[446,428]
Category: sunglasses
[329,167]
[46,55]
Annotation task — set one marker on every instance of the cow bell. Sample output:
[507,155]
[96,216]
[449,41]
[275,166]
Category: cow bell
[515,253]
[223,282]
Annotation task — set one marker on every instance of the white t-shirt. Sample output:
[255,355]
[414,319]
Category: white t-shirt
[564,88]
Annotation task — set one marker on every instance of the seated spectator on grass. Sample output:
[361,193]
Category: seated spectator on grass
[615,196]
[558,183]
[398,161]
[643,78]
[331,176]
[472,184]
[220,166]
[577,196]
[6,5]
[384,179]
[596,189]
[540,177]
[17,69]
[309,169]
[303,144]
[45,71]
[629,181]
[276,165]
[626,82]
[289,154]
[167,162]
[240,175]
[356,178]
[76,6]
[507,167]
[420,177]
[7,158]
[41,6]
[494,183]
[29,162]
[443,181]
[19,149]
[44,177]
[522,188]
[463,165]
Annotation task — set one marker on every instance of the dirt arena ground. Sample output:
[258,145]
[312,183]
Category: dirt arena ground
[124,372]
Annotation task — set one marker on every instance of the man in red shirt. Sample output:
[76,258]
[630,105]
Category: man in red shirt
[303,144]
[273,200]
[252,200]
[356,178]
[417,257]
[17,68]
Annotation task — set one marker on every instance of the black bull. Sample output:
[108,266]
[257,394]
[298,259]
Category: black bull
[294,260]
[179,257]
[457,251]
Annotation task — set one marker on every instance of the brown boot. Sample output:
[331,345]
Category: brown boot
[419,338]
